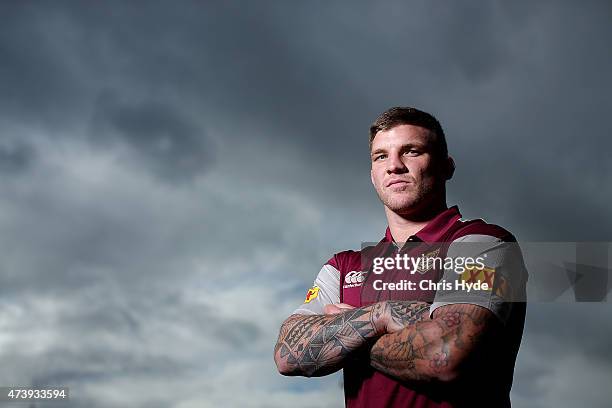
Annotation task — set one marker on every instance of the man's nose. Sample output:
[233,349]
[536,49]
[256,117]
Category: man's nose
[396,165]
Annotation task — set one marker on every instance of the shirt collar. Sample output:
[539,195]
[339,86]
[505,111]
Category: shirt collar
[435,229]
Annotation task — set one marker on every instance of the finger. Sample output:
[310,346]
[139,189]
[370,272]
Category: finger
[344,306]
[331,309]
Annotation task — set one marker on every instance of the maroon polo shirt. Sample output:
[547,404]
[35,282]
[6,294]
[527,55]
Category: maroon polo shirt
[488,379]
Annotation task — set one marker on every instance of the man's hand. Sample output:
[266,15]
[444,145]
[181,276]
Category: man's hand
[396,315]
[336,308]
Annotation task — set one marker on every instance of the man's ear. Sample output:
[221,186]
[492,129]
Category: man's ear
[372,177]
[450,168]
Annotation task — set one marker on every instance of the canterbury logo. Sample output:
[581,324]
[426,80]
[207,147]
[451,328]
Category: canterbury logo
[354,278]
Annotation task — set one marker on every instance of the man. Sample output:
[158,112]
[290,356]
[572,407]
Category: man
[432,343]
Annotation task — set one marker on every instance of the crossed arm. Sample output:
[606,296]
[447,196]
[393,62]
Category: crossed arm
[405,343]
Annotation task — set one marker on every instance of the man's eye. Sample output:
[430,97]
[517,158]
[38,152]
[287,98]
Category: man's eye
[412,152]
[380,156]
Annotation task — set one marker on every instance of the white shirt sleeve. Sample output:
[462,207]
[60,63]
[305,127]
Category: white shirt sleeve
[325,291]
[503,271]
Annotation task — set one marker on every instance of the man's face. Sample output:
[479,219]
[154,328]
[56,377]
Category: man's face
[405,173]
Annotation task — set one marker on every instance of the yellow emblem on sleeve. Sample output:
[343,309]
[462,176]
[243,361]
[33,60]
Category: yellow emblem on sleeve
[475,274]
[311,294]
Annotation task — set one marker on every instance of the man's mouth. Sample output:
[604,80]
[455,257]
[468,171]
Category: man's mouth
[398,182]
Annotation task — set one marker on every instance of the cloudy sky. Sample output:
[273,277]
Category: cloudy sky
[173,175]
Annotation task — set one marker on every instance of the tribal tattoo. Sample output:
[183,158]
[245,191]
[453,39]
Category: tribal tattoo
[403,313]
[318,345]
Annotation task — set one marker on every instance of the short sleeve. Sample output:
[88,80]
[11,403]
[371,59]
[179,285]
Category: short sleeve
[325,291]
[486,271]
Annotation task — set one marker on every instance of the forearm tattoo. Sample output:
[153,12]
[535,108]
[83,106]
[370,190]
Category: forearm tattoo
[431,349]
[407,313]
[317,345]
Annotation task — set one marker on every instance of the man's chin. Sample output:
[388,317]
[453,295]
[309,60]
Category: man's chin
[402,207]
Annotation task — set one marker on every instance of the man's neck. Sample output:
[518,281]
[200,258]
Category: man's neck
[403,226]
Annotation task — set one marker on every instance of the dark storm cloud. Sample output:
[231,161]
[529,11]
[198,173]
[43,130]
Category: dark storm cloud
[317,81]
[567,324]
[38,75]
[16,157]
[542,144]
[172,146]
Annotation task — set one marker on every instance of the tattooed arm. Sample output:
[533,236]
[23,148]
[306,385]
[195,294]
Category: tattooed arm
[316,345]
[433,349]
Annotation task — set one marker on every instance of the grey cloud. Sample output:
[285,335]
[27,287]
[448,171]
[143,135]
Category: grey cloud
[565,328]
[94,341]
[560,340]
[39,80]
[16,157]
[172,146]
